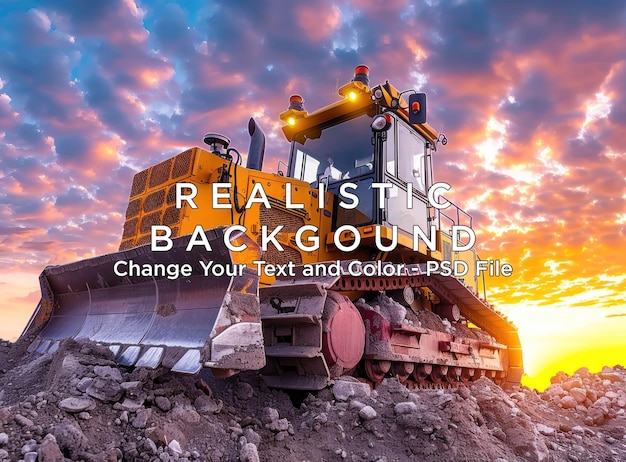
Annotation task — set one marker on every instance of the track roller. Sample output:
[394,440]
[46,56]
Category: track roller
[454,374]
[422,371]
[439,374]
[467,375]
[402,370]
[376,369]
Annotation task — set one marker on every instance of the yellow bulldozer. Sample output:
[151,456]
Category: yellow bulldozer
[348,260]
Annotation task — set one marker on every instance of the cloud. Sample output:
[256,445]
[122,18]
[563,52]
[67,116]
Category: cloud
[531,97]
[615,315]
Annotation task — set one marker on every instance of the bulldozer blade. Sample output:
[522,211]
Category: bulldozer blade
[158,315]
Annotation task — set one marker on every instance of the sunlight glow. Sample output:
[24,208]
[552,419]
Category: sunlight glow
[598,108]
[495,140]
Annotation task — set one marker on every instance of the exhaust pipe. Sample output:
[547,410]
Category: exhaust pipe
[256,152]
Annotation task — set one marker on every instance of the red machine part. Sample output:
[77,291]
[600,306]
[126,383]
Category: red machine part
[343,336]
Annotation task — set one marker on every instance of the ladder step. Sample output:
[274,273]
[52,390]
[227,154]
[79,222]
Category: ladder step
[289,319]
[292,351]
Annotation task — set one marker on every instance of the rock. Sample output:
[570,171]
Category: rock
[30,446]
[280,425]
[128,404]
[206,405]
[163,403]
[545,430]
[75,405]
[269,415]
[129,451]
[163,434]
[204,387]
[405,407]
[583,373]
[108,372]
[610,376]
[367,413]
[354,404]
[567,402]
[591,394]
[343,390]
[243,391]
[185,413]
[30,457]
[70,438]
[5,415]
[574,382]
[105,390]
[150,447]
[4,439]
[252,436]
[560,377]
[141,418]
[133,385]
[249,453]
[596,414]
[579,394]
[49,450]
[84,383]
[174,447]
[23,421]
[553,391]
[4,455]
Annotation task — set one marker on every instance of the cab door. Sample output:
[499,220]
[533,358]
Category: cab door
[407,169]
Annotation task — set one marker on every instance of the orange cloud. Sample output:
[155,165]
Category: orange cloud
[318,22]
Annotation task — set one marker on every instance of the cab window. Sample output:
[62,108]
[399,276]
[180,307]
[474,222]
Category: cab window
[411,149]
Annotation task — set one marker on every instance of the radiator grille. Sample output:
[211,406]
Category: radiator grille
[150,220]
[145,239]
[291,224]
[160,173]
[139,183]
[153,197]
[127,244]
[273,255]
[182,164]
[130,228]
[133,208]
[271,217]
[171,195]
[154,200]
[172,216]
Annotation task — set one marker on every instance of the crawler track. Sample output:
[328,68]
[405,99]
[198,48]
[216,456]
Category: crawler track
[308,346]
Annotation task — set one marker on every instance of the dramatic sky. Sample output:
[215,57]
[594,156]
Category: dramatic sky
[531,95]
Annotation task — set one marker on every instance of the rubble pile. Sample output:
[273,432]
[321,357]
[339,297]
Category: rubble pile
[596,398]
[77,405]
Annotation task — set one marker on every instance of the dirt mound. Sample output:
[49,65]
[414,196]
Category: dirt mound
[78,405]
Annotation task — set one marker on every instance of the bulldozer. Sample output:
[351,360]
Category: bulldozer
[344,261]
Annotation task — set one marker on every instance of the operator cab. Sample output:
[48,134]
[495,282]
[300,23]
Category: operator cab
[340,153]
[350,150]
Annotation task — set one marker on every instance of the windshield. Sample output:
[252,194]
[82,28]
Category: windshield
[342,151]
